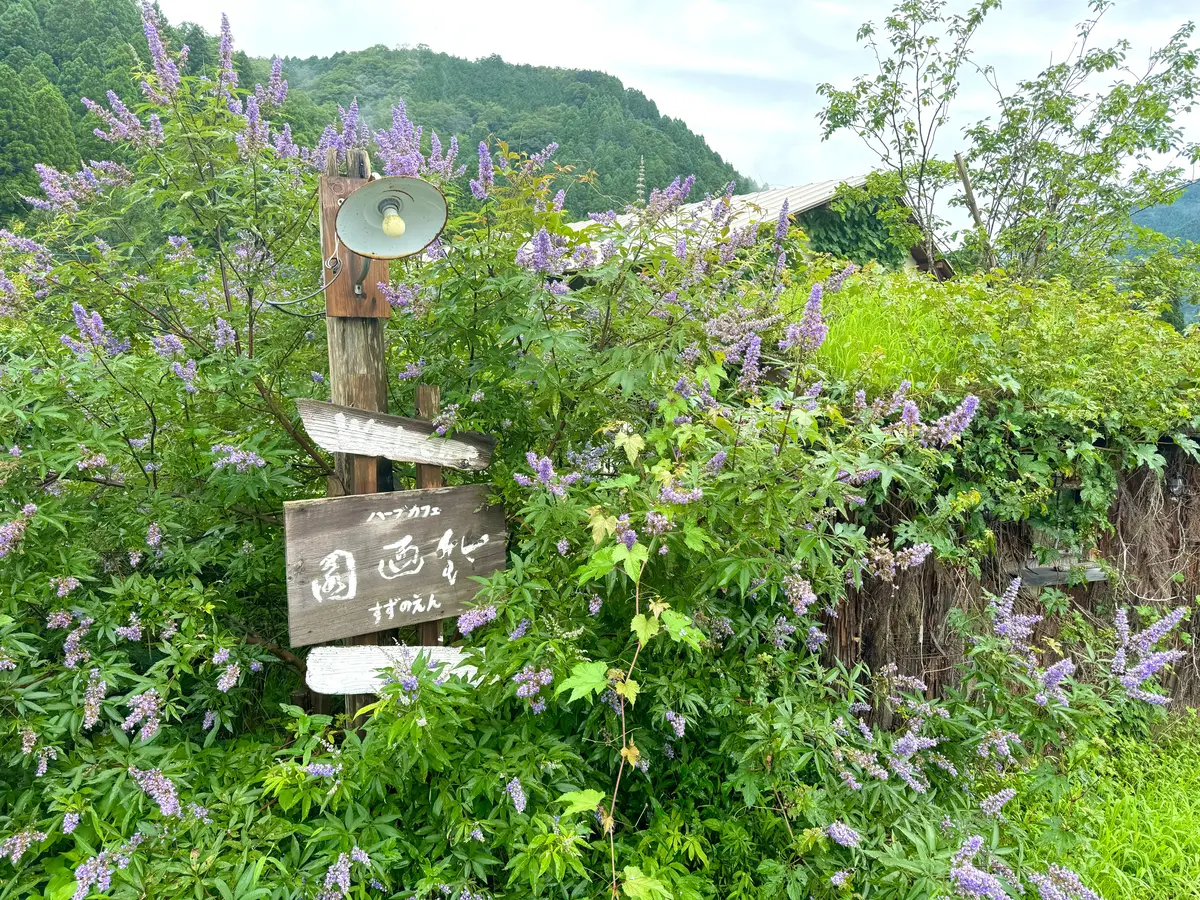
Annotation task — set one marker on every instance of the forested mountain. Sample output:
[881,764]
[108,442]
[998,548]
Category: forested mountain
[52,52]
[1179,220]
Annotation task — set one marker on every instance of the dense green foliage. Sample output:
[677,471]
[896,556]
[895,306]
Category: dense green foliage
[1173,262]
[691,486]
[75,48]
[1077,386]
[852,230]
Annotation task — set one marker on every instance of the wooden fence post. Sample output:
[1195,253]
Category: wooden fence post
[355,327]
[429,403]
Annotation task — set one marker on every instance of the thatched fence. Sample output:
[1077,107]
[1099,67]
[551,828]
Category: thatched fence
[1154,549]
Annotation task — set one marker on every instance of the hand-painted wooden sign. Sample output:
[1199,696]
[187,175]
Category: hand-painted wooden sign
[370,562]
[340,429]
[364,670]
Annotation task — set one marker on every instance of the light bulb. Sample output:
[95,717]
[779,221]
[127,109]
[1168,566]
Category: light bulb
[393,225]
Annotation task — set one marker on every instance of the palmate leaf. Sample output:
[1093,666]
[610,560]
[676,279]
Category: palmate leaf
[640,886]
[581,801]
[632,444]
[680,628]
[586,679]
[645,628]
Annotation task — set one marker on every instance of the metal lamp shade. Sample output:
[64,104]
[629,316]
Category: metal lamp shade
[360,220]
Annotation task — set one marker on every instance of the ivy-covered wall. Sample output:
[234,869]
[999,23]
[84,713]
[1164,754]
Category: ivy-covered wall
[852,232]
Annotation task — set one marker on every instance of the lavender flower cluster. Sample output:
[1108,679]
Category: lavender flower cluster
[12,533]
[546,253]
[14,847]
[336,885]
[843,834]
[1146,662]
[810,332]
[781,631]
[98,870]
[482,184]
[994,803]
[799,593]
[886,564]
[545,477]
[971,881]
[145,709]
[446,420]
[530,682]
[402,296]
[678,723]
[517,793]
[1051,682]
[132,631]
[159,788]
[66,193]
[96,335]
[74,653]
[475,618]
[1061,884]
[93,696]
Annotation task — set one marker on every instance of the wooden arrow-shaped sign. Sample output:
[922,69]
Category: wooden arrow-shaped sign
[342,429]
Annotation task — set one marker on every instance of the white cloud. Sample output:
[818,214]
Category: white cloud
[741,72]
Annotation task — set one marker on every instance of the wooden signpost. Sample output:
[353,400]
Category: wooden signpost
[367,560]
[360,565]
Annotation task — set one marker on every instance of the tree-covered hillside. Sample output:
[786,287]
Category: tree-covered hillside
[599,123]
[1179,220]
[53,52]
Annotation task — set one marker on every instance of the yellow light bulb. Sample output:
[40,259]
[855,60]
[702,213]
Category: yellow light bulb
[393,225]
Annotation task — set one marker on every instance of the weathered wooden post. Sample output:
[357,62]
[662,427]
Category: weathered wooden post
[355,325]
[368,560]
[429,402]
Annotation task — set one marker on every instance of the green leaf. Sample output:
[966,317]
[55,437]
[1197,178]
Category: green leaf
[694,538]
[586,679]
[629,689]
[632,444]
[680,628]
[581,801]
[634,561]
[644,628]
[643,887]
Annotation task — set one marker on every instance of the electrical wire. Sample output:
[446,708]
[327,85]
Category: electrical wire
[332,263]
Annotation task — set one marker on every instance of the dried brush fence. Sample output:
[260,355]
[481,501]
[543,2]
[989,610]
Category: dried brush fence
[1152,555]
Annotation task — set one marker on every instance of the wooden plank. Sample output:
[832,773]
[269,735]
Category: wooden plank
[1059,573]
[361,564]
[357,670]
[342,429]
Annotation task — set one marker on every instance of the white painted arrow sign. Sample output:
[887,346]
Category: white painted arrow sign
[342,429]
[365,670]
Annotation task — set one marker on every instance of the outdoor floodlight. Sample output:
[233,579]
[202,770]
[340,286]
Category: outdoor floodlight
[389,218]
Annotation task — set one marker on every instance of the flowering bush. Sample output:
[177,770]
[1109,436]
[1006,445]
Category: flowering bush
[654,712]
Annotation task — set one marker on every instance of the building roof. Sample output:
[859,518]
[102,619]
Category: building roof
[764,206]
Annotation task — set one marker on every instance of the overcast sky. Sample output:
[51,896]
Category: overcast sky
[743,73]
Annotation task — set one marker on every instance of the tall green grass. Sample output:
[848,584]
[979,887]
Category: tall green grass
[881,337]
[1134,818]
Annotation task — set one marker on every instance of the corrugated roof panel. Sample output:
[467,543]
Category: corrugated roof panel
[764,206]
